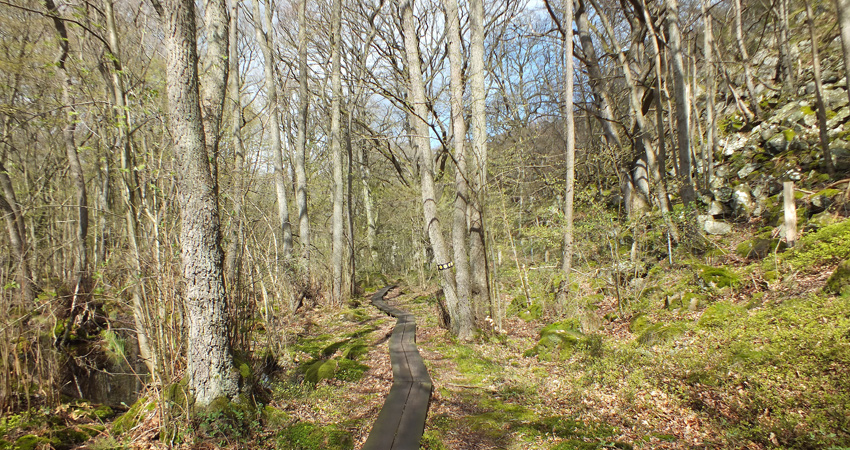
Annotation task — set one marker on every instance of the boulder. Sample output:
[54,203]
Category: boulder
[716,208]
[834,98]
[722,194]
[748,169]
[810,88]
[733,143]
[776,144]
[716,228]
[839,118]
[742,201]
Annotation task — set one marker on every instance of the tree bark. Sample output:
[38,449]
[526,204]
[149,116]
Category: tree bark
[683,104]
[301,139]
[570,153]
[478,256]
[336,153]
[209,364]
[214,76]
[421,141]
[266,42]
[130,186]
[745,61]
[233,264]
[462,323]
[710,145]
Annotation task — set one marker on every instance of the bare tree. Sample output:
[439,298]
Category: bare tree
[683,103]
[821,111]
[209,362]
[336,151]
[301,139]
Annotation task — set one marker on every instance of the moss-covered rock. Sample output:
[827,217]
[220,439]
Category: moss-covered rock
[32,442]
[639,323]
[134,415]
[719,277]
[558,340]
[274,418]
[839,282]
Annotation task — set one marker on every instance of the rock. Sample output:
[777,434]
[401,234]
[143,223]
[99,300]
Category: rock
[733,143]
[823,219]
[810,88]
[840,156]
[748,169]
[839,118]
[777,144]
[829,77]
[839,282]
[742,201]
[767,132]
[723,194]
[716,228]
[834,98]
[721,171]
[821,202]
[842,82]
[716,208]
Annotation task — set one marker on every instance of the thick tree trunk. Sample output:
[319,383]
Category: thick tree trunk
[462,323]
[266,42]
[336,153]
[209,363]
[683,104]
[129,192]
[478,250]
[421,142]
[301,140]
[214,78]
[821,112]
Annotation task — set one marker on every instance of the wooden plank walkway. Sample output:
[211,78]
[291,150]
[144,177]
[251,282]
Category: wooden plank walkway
[401,422]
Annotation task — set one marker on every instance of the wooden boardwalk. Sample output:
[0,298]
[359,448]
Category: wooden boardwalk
[401,422]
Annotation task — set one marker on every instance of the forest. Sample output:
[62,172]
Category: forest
[596,224]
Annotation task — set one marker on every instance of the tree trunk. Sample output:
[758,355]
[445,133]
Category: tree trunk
[569,138]
[789,206]
[214,78]
[710,74]
[209,364]
[266,42]
[301,140]
[462,323]
[129,184]
[821,112]
[421,142]
[785,68]
[81,269]
[478,256]
[683,104]
[843,9]
[745,61]
[336,153]
[233,264]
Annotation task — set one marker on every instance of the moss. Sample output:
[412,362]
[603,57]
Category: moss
[558,340]
[807,110]
[828,193]
[133,416]
[759,247]
[839,282]
[31,442]
[348,370]
[719,314]
[828,245]
[789,134]
[661,332]
[639,323]
[718,276]
[320,370]
[310,436]
[274,418]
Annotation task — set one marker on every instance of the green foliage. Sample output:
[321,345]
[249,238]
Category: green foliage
[310,436]
[827,245]
[115,347]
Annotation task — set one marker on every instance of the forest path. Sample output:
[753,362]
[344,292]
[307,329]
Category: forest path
[401,422]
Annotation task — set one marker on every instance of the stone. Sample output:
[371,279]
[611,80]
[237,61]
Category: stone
[733,143]
[840,156]
[748,169]
[834,98]
[777,144]
[821,202]
[839,118]
[767,132]
[716,228]
[723,194]
[716,208]
[810,88]
[742,201]
[829,77]
[823,219]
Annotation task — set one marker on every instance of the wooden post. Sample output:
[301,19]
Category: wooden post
[790,208]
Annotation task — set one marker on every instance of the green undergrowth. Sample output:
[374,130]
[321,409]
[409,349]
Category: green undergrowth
[311,436]
[827,245]
[66,426]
